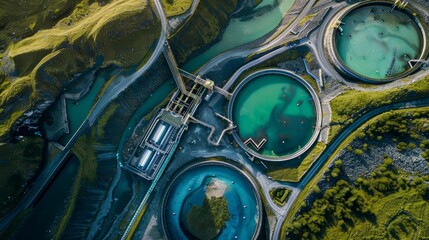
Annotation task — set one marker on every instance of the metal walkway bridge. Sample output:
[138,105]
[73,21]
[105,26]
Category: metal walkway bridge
[179,74]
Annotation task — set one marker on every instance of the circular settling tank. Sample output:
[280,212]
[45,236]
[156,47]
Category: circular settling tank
[211,200]
[373,43]
[276,113]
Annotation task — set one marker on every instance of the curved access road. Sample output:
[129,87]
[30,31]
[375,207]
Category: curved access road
[117,86]
[122,83]
[297,188]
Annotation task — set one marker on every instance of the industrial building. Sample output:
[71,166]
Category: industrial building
[158,141]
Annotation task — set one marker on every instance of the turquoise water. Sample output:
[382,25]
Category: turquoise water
[46,214]
[247,30]
[376,43]
[78,110]
[240,31]
[277,108]
[239,193]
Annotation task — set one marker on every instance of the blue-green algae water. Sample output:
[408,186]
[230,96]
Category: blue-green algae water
[376,43]
[277,108]
[189,190]
[243,30]
[78,110]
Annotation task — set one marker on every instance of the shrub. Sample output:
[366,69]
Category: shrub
[358,152]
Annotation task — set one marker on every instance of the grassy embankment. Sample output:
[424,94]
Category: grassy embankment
[352,103]
[121,32]
[85,152]
[390,199]
[176,7]
[202,28]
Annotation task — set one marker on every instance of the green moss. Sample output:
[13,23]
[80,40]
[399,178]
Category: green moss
[121,32]
[279,195]
[352,103]
[71,202]
[85,152]
[19,20]
[205,221]
[176,7]
[102,122]
[202,29]
[294,173]
[84,146]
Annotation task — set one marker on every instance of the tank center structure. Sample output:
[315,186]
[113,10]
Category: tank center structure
[277,113]
[211,200]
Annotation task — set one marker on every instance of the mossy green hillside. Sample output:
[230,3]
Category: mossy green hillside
[21,19]
[203,28]
[120,33]
[176,7]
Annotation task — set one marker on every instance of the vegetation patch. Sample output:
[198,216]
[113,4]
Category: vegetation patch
[378,190]
[202,29]
[279,195]
[176,7]
[83,35]
[294,171]
[207,220]
[367,208]
[352,104]
[87,172]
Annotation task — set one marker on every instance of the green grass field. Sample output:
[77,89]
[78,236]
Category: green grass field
[352,103]
[176,7]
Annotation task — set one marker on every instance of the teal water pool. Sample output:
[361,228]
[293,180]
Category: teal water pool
[376,44]
[189,189]
[274,110]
